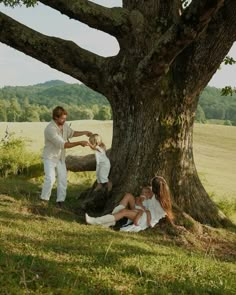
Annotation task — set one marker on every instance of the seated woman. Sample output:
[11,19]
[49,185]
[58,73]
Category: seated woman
[159,206]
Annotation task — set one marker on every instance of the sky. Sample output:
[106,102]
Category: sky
[16,68]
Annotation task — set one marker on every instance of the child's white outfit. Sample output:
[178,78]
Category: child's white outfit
[145,203]
[103,165]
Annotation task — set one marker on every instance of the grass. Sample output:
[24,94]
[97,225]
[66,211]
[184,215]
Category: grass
[46,250]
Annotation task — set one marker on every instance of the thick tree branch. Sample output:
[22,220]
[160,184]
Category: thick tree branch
[192,22]
[82,163]
[59,54]
[198,62]
[114,21]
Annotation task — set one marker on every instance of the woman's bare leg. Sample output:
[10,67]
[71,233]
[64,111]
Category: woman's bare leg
[128,201]
[130,214]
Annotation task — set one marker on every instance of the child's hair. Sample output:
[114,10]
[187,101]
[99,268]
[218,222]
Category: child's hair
[147,187]
[162,193]
[95,139]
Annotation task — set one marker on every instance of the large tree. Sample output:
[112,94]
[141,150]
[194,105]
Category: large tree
[168,53]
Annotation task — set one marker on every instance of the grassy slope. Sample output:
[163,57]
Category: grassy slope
[44,250]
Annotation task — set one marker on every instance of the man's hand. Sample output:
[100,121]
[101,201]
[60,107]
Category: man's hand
[88,133]
[81,133]
[84,143]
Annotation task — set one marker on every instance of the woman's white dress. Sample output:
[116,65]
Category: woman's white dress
[103,165]
[157,213]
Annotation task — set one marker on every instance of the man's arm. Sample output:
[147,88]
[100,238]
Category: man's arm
[81,133]
[69,145]
[52,135]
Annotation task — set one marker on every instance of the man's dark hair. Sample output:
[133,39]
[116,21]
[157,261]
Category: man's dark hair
[58,112]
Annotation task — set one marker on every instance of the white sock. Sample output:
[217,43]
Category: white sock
[118,209]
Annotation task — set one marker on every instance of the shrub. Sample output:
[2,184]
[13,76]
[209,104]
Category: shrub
[14,157]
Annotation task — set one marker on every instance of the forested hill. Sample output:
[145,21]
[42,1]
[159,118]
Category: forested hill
[53,93]
[34,103]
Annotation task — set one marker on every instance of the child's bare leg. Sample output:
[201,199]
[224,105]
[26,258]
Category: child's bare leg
[128,201]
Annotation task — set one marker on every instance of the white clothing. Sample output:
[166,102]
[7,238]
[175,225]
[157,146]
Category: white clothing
[103,165]
[157,213]
[144,203]
[54,141]
[118,209]
[50,169]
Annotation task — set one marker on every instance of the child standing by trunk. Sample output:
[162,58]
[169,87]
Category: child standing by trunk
[102,162]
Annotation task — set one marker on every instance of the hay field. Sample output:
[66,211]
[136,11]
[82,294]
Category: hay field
[214,150]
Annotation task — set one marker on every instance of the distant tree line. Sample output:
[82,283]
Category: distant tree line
[35,103]
[213,106]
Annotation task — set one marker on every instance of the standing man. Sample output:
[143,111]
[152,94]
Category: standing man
[56,137]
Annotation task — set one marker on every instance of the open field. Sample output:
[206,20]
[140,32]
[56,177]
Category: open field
[214,150]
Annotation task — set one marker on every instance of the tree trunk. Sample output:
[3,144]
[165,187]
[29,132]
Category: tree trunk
[153,134]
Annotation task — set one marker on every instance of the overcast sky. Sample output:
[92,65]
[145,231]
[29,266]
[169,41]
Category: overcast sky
[17,68]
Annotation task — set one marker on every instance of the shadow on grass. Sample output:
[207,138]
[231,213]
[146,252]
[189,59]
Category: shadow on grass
[25,194]
[32,273]
[26,274]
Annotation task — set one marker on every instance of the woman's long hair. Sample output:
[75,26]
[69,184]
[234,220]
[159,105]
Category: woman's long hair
[162,193]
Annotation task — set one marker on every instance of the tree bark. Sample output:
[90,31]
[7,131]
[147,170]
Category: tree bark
[114,21]
[151,137]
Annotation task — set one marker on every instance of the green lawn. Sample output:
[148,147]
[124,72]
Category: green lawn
[46,250]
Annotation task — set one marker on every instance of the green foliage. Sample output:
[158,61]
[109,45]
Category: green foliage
[227,123]
[14,157]
[200,115]
[13,3]
[228,206]
[227,90]
[229,60]
[103,114]
[35,103]
[215,106]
